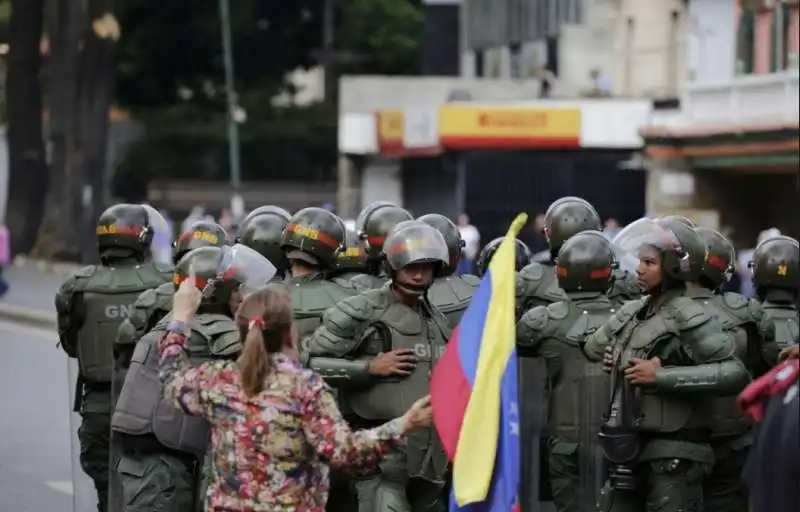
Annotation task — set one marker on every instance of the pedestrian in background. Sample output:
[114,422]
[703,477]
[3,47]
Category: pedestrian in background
[472,245]
[276,428]
[5,257]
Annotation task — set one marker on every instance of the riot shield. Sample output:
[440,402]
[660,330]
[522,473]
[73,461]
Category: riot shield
[81,486]
[533,402]
[161,245]
[595,395]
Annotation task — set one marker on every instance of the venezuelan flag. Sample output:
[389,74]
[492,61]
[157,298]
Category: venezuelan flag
[474,392]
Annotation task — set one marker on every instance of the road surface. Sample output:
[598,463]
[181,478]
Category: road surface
[36,429]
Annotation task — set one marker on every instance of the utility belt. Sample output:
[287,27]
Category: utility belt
[148,444]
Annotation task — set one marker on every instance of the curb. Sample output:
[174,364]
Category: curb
[50,267]
[28,316]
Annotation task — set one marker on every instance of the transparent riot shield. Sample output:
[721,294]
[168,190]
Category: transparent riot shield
[533,404]
[81,487]
[594,389]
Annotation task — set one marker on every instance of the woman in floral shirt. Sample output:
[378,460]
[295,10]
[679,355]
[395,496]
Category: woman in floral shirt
[276,428]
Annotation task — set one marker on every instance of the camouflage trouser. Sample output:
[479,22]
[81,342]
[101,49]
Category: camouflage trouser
[723,489]
[95,439]
[390,490]
[663,485]
[155,482]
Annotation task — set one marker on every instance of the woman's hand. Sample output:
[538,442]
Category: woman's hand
[419,415]
[186,300]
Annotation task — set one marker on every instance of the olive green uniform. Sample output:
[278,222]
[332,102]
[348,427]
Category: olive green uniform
[163,448]
[150,307]
[91,304]
[672,424]
[579,390]
[312,295]
[364,282]
[779,326]
[624,288]
[452,294]
[352,333]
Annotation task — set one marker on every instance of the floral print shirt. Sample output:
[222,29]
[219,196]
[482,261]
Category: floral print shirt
[270,452]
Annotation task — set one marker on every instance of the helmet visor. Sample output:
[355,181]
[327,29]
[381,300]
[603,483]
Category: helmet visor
[245,267]
[641,237]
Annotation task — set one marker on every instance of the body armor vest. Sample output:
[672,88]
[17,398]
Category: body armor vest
[782,321]
[625,288]
[451,295]
[658,412]
[369,281]
[538,286]
[108,294]
[578,381]
[310,300]
[140,409]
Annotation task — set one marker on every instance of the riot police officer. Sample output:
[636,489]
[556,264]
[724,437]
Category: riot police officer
[162,446]
[154,304]
[351,262]
[374,224]
[91,305]
[776,276]
[449,293]
[579,387]
[379,348]
[522,255]
[667,355]
[261,230]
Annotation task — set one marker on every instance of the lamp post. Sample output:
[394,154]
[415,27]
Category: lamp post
[235,114]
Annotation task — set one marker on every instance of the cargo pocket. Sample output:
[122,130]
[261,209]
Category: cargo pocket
[131,477]
[676,485]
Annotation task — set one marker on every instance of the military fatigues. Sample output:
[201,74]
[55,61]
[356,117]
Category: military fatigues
[779,326]
[732,436]
[451,295]
[624,288]
[668,422]
[148,309]
[357,329]
[162,446]
[364,282]
[579,391]
[91,305]
[313,295]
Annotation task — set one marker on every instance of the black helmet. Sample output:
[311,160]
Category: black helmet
[263,232]
[367,211]
[682,249]
[417,243]
[719,261]
[686,221]
[269,209]
[569,216]
[586,263]
[377,225]
[776,264]
[202,233]
[451,235]
[128,226]
[353,258]
[220,271]
[315,236]
[522,255]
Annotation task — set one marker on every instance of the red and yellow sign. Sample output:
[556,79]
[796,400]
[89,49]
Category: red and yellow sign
[391,128]
[467,127]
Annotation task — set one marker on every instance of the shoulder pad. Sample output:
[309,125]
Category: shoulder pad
[688,313]
[471,280]
[532,272]
[734,300]
[363,282]
[359,307]
[558,310]
[536,319]
[87,271]
[147,299]
[755,309]
[348,284]
[166,289]
[164,268]
[623,315]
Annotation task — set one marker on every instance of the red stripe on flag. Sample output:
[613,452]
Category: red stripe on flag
[450,393]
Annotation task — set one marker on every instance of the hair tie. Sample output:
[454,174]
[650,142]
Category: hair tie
[256,322]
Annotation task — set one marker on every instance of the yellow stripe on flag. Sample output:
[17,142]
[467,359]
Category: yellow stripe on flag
[473,466]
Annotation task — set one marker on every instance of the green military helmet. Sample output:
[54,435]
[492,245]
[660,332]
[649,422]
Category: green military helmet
[451,235]
[522,255]
[263,233]
[314,236]
[367,211]
[128,227]
[719,260]
[586,263]
[416,243]
[681,248]
[686,221]
[405,224]
[566,217]
[776,264]
[376,227]
[268,209]
[202,233]
[204,263]
[353,258]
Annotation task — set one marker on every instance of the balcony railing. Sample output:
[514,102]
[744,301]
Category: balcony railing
[771,98]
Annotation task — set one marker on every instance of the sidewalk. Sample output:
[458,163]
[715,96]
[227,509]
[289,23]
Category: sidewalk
[32,288]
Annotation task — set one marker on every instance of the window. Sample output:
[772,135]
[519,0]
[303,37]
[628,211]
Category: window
[745,47]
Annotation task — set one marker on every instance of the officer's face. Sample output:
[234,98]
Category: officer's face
[418,274]
[649,271]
